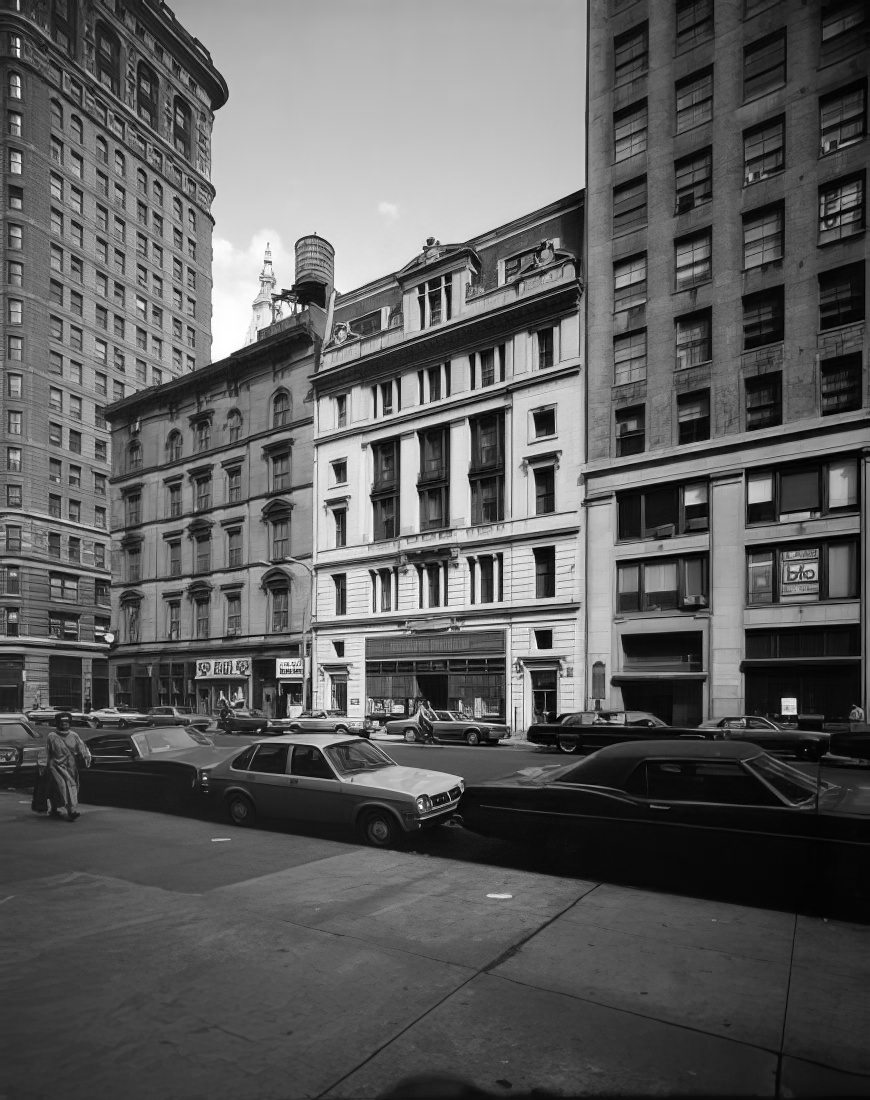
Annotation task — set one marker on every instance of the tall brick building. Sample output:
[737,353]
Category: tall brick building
[106,288]
[726,486]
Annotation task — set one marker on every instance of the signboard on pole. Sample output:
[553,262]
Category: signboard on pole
[289,668]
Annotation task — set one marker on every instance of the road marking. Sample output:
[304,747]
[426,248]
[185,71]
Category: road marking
[499,897]
[220,839]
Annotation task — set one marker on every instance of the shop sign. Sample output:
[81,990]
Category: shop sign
[799,572]
[788,705]
[231,668]
[288,668]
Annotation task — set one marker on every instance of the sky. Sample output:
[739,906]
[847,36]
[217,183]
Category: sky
[378,123]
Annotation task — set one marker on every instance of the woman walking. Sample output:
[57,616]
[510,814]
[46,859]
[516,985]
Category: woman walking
[63,745]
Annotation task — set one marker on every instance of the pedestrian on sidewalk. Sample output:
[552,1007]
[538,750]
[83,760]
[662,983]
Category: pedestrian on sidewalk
[856,714]
[64,749]
[426,718]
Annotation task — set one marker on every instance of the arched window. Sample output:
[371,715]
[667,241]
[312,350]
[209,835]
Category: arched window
[131,620]
[77,129]
[102,150]
[134,456]
[63,24]
[182,127]
[174,445]
[56,114]
[281,409]
[142,181]
[108,58]
[234,425]
[147,92]
[177,211]
[15,85]
[203,435]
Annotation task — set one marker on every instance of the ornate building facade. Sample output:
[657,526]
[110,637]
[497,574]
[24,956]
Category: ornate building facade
[448,444]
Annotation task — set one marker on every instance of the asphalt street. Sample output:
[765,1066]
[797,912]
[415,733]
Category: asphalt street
[149,955]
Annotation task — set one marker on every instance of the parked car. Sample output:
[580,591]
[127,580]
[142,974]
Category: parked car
[250,720]
[177,716]
[331,778]
[585,730]
[20,745]
[329,721]
[789,743]
[742,721]
[692,804]
[449,725]
[121,716]
[156,767]
[46,716]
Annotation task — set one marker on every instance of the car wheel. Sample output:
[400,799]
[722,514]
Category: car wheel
[410,734]
[295,729]
[472,738]
[122,723]
[568,745]
[240,810]
[380,829]
[341,729]
[98,724]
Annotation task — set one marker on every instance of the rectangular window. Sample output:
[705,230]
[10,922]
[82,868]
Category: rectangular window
[173,620]
[798,492]
[629,357]
[434,301]
[173,501]
[693,417]
[234,614]
[203,493]
[841,384]
[234,485]
[173,552]
[629,283]
[202,615]
[203,554]
[763,318]
[663,512]
[630,55]
[693,259]
[763,401]
[545,572]
[630,431]
[763,236]
[800,574]
[280,538]
[339,581]
[694,23]
[694,343]
[694,100]
[629,205]
[693,180]
[842,118]
[385,489]
[545,490]
[132,510]
[662,585]
[841,209]
[764,65]
[486,471]
[629,131]
[280,473]
[339,520]
[841,296]
[546,341]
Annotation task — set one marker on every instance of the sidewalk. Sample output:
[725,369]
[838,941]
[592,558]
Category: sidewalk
[342,975]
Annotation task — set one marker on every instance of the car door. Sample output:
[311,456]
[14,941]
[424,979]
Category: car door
[267,780]
[318,795]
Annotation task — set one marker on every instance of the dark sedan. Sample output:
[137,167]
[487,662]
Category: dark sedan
[694,805]
[177,716]
[157,768]
[249,720]
[20,745]
[47,716]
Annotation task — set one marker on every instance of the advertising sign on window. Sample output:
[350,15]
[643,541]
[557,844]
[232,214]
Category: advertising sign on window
[232,668]
[799,573]
[288,668]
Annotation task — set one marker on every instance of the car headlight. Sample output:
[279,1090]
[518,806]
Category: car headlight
[424,804]
[8,756]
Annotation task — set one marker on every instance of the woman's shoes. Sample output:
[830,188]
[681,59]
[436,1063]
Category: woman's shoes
[73,816]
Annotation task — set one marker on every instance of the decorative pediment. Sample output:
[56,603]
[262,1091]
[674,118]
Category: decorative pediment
[131,595]
[277,508]
[437,256]
[199,587]
[199,526]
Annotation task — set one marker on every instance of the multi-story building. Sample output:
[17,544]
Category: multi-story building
[211,515]
[105,288]
[726,486]
[448,444]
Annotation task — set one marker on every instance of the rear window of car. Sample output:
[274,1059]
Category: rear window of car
[14,729]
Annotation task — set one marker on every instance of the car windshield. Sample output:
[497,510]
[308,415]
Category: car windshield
[168,740]
[15,729]
[793,785]
[357,756]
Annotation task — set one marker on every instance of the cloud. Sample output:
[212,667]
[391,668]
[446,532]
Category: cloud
[389,210]
[236,272]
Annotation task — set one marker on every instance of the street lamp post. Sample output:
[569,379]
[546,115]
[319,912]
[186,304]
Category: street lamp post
[309,633]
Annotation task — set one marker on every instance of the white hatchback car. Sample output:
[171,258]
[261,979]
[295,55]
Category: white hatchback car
[324,778]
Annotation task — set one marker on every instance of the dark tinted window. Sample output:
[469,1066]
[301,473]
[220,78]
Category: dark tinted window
[270,759]
[309,762]
[721,781]
[243,761]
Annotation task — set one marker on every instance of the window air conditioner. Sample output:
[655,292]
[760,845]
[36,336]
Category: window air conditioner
[666,531]
[684,203]
[830,146]
[751,177]
[694,601]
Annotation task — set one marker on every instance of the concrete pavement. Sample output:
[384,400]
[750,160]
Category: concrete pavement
[340,976]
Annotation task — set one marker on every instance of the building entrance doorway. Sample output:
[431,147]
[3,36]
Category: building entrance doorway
[679,703]
[545,697]
[433,688]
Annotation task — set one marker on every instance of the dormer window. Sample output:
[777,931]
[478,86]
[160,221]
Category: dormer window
[434,301]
